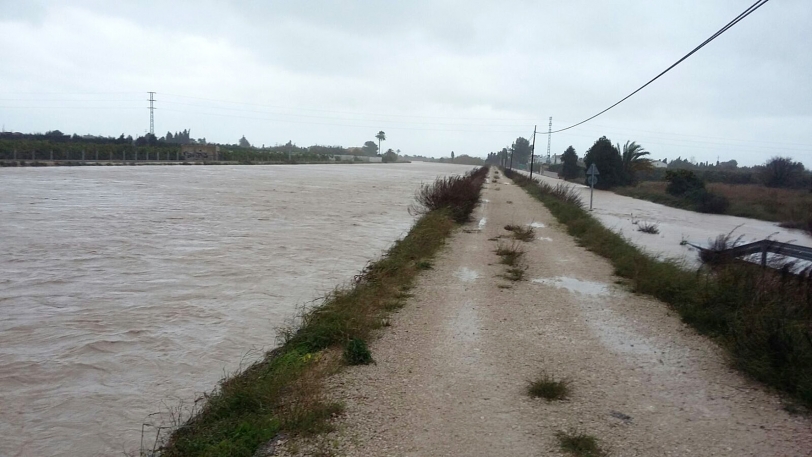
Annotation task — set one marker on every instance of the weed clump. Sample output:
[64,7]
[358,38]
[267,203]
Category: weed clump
[510,253]
[648,227]
[515,273]
[521,233]
[579,444]
[456,194]
[548,388]
[356,352]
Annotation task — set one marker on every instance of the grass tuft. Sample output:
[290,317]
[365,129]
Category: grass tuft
[548,388]
[424,265]
[521,233]
[648,227]
[510,253]
[356,352]
[579,444]
[514,273]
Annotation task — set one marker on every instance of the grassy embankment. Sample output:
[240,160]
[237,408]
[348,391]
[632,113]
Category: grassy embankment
[282,392]
[761,316]
[791,208]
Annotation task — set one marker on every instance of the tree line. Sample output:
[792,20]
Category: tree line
[628,164]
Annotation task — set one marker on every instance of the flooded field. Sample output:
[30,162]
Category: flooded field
[676,226]
[125,290]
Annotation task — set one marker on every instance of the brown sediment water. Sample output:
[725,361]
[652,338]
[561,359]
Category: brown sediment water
[127,290]
[676,226]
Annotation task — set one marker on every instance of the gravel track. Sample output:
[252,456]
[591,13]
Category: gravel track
[452,369]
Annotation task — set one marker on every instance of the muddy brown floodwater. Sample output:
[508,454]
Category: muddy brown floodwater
[126,290]
[622,214]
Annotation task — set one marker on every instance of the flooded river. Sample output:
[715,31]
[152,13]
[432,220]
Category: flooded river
[125,290]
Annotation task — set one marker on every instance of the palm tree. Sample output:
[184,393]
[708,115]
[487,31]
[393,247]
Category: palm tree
[633,160]
[381,137]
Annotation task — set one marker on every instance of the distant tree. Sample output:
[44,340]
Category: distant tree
[244,143]
[370,148]
[169,138]
[147,140]
[681,182]
[570,168]
[782,172]
[521,151]
[633,161]
[381,136]
[452,156]
[390,156]
[610,165]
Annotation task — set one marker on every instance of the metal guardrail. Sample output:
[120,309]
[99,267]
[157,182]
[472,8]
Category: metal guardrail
[764,247]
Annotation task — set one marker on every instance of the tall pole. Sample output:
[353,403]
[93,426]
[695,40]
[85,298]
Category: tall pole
[532,151]
[511,158]
[151,113]
[549,138]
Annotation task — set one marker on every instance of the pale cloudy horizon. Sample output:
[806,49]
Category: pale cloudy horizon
[435,76]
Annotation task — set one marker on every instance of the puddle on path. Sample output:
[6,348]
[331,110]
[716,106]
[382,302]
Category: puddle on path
[544,238]
[537,225]
[465,274]
[592,289]
[482,222]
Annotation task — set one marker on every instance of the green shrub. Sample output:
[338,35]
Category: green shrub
[356,352]
[681,182]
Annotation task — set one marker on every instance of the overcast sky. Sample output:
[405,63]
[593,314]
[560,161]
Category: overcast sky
[436,76]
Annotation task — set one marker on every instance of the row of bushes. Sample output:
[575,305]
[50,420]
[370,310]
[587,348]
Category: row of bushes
[762,316]
[281,393]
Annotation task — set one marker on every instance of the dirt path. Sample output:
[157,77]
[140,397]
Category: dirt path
[452,369]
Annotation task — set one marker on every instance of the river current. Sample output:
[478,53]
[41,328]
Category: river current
[126,291]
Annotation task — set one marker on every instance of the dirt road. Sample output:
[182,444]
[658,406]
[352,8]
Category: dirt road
[452,369]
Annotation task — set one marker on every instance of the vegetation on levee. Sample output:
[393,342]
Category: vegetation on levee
[282,393]
[762,316]
[792,208]
[521,233]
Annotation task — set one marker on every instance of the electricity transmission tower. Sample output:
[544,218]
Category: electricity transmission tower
[151,113]
[549,137]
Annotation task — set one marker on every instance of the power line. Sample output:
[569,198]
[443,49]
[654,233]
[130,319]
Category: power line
[758,4]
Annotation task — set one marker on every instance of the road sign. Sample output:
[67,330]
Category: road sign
[592,180]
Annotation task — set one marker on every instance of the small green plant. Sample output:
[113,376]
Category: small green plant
[356,352]
[510,253]
[579,444]
[424,265]
[648,227]
[548,388]
[521,233]
[514,274]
